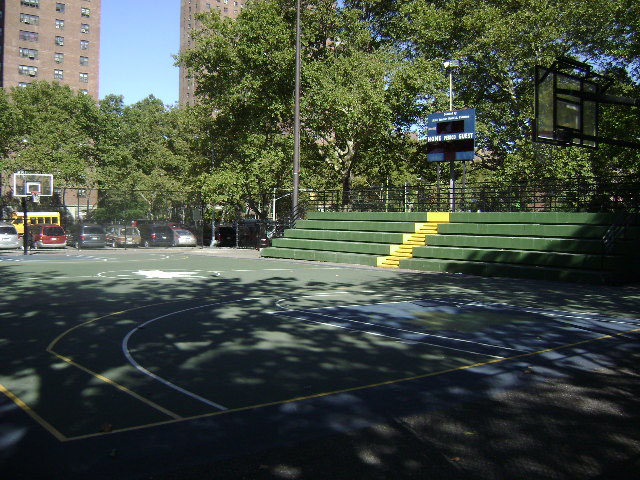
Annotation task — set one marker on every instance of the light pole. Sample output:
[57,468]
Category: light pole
[450,65]
[296,127]
[214,242]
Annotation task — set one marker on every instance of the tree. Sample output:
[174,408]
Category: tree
[499,43]
[138,148]
[244,72]
[54,131]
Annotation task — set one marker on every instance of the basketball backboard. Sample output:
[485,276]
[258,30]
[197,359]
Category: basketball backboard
[26,184]
[566,106]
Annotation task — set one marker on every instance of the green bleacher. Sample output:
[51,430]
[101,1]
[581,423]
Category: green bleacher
[575,247]
[344,237]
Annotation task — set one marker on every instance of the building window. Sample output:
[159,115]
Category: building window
[60,41]
[60,7]
[29,19]
[23,84]
[30,3]
[28,53]
[84,91]
[59,24]
[58,74]
[84,44]
[58,57]
[85,12]
[84,61]
[28,36]
[84,28]
[28,70]
[84,77]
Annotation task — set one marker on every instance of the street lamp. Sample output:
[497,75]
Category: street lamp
[450,65]
[296,126]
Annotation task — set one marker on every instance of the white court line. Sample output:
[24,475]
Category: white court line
[552,313]
[137,366]
[398,339]
[389,327]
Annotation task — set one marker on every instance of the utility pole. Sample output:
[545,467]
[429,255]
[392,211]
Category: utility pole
[296,128]
[450,65]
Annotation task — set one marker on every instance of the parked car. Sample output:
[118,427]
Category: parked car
[184,238]
[8,236]
[143,221]
[87,236]
[225,236]
[121,236]
[47,236]
[154,235]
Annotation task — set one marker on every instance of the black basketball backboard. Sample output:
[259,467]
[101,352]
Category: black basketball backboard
[566,106]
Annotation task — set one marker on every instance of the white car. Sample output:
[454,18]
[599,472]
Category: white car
[184,238]
[8,236]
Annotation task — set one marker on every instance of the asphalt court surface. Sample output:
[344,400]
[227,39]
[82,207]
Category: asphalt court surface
[100,342]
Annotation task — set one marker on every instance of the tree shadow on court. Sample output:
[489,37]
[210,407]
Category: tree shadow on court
[571,413]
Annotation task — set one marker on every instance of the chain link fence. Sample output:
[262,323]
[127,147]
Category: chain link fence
[189,210]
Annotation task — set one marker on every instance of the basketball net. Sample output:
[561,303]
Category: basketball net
[35,197]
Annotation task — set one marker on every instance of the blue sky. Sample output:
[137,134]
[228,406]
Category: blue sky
[137,41]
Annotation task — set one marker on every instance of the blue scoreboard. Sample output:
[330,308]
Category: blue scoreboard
[451,135]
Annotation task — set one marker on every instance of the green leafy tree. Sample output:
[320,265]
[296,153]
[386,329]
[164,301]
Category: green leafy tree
[245,75]
[499,43]
[54,132]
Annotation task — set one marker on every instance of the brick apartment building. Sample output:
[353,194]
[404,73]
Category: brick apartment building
[52,41]
[188,22]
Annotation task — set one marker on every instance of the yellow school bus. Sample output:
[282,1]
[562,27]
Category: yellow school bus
[34,218]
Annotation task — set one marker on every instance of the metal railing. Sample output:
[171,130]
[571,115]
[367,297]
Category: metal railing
[551,196]
[117,206]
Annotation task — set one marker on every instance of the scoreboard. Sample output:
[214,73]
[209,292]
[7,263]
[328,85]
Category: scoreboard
[451,135]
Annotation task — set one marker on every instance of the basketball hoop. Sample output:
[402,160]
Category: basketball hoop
[35,197]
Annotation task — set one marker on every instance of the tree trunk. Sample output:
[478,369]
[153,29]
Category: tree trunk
[346,188]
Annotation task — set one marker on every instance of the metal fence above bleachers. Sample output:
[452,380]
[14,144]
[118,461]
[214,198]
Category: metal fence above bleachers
[113,206]
[621,194]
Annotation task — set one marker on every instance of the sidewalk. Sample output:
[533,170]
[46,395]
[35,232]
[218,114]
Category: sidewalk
[227,252]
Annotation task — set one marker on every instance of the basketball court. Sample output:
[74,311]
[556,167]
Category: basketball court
[127,364]
[104,344]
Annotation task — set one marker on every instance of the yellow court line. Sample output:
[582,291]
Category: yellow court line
[101,377]
[119,387]
[363,387]
[66,332]
[46,425]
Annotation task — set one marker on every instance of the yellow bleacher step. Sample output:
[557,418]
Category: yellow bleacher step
[410,240]
[392,262]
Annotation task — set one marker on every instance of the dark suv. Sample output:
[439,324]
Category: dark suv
[154,235]
[86,236]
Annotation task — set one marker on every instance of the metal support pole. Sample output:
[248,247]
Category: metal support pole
[296,128]
[450,89]
[274,204]
[213,207]
[464,184]
[452,187]
[438,185]
[25,225]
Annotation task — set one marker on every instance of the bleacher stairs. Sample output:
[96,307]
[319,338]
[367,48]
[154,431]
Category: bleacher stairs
[575,247]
